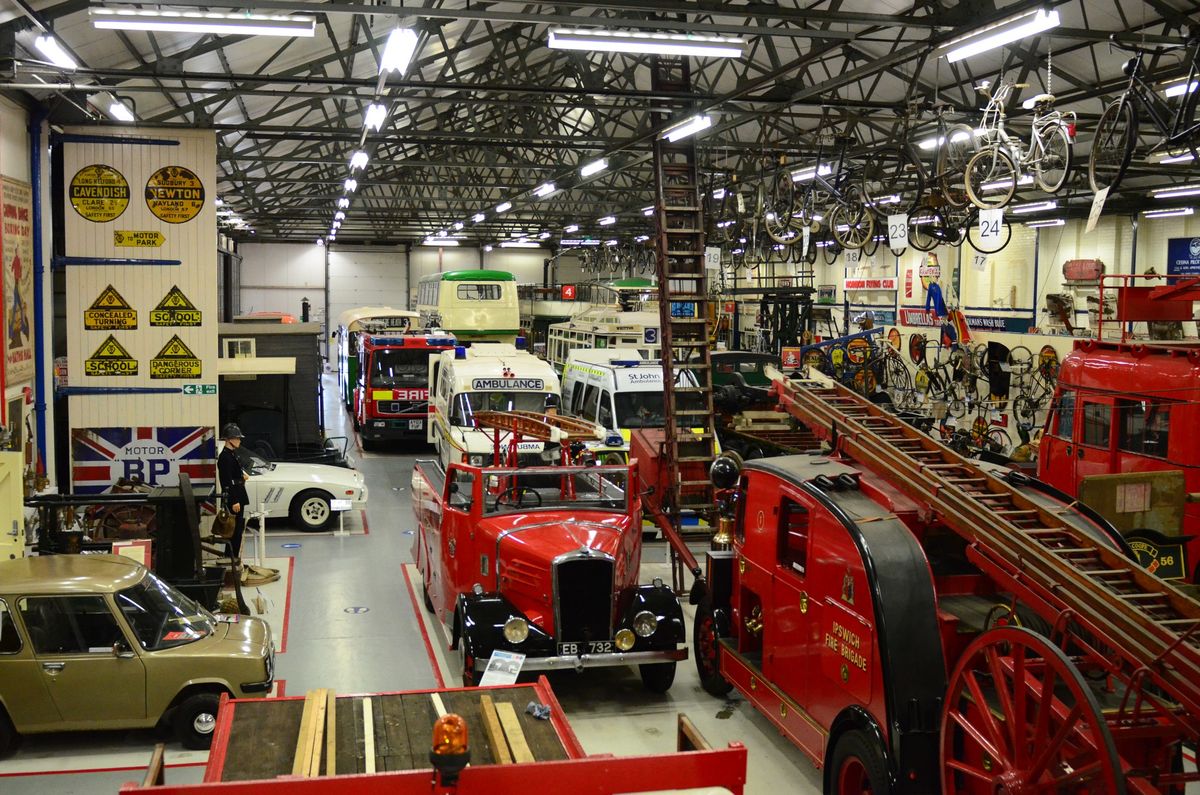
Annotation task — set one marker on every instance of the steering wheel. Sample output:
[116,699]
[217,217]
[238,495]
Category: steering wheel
[515,496]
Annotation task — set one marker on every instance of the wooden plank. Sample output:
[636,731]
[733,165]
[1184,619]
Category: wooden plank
[368,736]
[688,737]
[303,752]
[438,706]
[262,739]
[401,748]
[331,734]
[418,726]
[321,698]
[495,734]
[349,734]
[513,732]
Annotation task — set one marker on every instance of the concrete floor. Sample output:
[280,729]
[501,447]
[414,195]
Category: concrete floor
[334,643]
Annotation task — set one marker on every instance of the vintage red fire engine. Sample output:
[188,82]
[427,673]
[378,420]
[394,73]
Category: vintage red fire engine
[917,622]
[391,398]
[542,560]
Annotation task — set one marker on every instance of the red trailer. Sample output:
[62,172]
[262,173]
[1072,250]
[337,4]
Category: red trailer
[391,398]
[917,622]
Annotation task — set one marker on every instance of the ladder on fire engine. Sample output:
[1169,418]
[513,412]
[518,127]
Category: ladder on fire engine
[683,304]
[1146,626]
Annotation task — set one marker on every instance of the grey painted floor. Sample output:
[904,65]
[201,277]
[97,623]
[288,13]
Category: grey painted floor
[381,649]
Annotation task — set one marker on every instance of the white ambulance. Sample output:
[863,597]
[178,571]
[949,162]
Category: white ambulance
[619,390]
[493,377]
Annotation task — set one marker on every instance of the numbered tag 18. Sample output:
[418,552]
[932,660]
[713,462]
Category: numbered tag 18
[898,231]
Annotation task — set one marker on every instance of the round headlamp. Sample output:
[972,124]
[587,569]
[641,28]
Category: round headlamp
[645,624]
[516,630]
[624,639]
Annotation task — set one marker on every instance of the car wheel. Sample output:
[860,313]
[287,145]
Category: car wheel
[705,637]
[657,677]
[196,719]
[858,766]
[310,510]
[8,735]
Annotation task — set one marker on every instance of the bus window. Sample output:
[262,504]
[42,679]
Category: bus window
[479,292]
[1065,412]
[605,417]
[1143,427]
[793,536]
[1097,423]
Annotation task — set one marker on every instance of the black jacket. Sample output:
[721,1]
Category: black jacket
[232,478]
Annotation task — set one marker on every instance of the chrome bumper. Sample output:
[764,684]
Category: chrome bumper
[579,662]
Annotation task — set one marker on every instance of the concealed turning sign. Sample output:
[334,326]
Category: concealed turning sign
[175,360]
[174,194]
[175,310]
[109,312]
[110,358]
[99,193]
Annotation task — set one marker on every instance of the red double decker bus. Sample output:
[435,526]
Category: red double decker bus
[391,399]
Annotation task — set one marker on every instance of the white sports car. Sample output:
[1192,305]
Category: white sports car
[303,492]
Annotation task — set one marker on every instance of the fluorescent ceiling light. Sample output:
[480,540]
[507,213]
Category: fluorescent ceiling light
[1174,193]
[375,115]
[543,236]
[1002,184]
[164,21]
[608,220]
[458,225]
[1048,222]
[439,241]
[648,210]
[594,167]
[488,247]
[358,160]
[350,185]
[810,172]
[687,128]
[503,207]
[336,225]
[49,47]
[219,201]
[320,241]
[343,202]
[635,41]
[719,193]
[519,244]
[569,242]
[478,217]
[120,111]
[1168,213]
[641,238]
[1033,207]
[933,143]
[611,242]
[332,235]
[1013,29]
[1176,157]
[544,190]
[339,216]
[1178,88]
[398,52]
[572,229]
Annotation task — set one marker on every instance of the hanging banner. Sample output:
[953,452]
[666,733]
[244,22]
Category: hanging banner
[1183,256]
[110,312]
[880,283]
[154,456]
[16,241]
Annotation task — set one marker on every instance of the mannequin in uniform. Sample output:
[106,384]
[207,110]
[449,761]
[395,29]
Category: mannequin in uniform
[233,483]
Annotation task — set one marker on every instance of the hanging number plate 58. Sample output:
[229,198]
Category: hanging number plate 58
[898,231]
[989,224]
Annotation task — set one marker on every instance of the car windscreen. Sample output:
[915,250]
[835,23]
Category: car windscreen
[400,367]
[252,462]
[578,488]
[647,409]
[467,403]
[162,617]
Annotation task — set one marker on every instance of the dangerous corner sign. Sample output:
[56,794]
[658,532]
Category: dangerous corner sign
[175,360]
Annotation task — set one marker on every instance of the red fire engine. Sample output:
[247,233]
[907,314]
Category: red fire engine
[542,560]
[917,622]
[391,399]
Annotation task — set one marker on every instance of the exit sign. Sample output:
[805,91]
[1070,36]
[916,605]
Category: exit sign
[199,389]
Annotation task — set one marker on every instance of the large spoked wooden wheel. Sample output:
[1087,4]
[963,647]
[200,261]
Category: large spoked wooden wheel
[1019,719]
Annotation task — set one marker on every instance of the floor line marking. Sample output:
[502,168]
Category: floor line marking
[433,662]
[366,527]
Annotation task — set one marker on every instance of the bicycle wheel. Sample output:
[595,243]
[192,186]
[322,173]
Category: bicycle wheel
[920,228]
[893,182]
[953,156]
[1112,148]
[852,223]
[871,246]
[997,441]
[1054,166]
[991,178]
[992,245]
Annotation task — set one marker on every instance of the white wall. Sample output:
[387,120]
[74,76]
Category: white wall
[373,276]
[276,276]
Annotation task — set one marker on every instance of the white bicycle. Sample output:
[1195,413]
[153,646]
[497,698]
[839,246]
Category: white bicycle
[994,171]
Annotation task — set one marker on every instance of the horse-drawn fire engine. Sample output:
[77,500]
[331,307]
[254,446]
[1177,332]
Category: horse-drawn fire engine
[542,560]
[917,622]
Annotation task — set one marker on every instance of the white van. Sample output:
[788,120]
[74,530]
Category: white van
[618,389]
[496,377]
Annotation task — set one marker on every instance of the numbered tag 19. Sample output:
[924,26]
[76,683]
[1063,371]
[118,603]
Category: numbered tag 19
[898,231]
[990,222]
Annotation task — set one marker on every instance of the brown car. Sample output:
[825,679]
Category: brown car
[98,642]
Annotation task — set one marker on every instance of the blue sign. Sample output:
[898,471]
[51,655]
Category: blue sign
[1183,256]
[683,309]
[356,610]
[290,546]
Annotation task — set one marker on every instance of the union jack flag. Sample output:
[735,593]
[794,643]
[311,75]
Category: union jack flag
[156,456]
